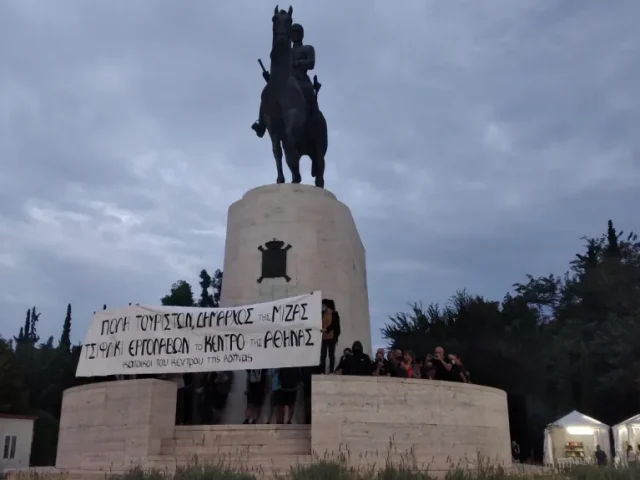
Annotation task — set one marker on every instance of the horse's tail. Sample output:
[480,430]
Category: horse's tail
[321,135]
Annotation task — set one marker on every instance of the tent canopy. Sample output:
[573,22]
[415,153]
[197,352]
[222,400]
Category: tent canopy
[635,420]
[577,419]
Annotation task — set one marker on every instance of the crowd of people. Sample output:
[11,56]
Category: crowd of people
[403,364]
[281,385]
[396,362]
[202,398]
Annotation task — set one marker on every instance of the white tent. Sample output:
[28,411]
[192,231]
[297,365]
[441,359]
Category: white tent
[573,439]
[626,433]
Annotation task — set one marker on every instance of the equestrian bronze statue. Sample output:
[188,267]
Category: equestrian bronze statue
[289,104]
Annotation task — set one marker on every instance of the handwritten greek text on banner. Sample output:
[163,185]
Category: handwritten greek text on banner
[156,340]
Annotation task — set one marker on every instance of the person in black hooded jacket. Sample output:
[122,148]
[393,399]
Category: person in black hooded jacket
[358,363]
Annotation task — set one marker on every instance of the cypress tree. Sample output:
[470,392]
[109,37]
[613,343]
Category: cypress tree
[65,338]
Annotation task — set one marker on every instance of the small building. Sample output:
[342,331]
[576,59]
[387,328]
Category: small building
[16,434]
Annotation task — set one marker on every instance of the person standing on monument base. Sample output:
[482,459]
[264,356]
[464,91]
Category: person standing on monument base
[290,379]
[275,395]
[256,391]
[359,363]
[330,334]
[442,366]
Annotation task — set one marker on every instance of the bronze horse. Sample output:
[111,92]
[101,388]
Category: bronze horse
[286,113]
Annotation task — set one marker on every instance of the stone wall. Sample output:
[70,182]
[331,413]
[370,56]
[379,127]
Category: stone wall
[115,424]
[428,424]
[369,420]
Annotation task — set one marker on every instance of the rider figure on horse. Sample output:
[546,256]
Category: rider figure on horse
[304,59]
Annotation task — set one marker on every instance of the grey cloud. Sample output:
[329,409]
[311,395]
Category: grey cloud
[473,141]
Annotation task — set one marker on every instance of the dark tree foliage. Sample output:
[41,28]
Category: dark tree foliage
[561,343]
[216,287]
[181,295]
[206,299]
[34,374]
[65,338]
[210,289]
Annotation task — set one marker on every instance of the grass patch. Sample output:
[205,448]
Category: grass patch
[332,469]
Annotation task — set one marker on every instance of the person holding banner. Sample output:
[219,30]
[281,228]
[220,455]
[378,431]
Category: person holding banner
[330,334]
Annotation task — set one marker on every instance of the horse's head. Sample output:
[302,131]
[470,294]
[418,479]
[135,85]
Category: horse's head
[282,21]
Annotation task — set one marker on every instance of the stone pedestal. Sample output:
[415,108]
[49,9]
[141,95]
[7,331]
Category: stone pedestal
[326,254]
[424,424]
[115,424]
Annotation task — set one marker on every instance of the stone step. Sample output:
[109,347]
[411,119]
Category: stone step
[260,465]
[229,459]
[245,434]
[290,447]
[235,440]
[245,438]
[217,459]
[57,474]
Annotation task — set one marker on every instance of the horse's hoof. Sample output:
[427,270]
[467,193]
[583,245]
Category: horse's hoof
[297,180]
[280,180]
[320,182]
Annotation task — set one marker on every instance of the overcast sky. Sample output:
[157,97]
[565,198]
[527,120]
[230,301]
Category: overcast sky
[474,141]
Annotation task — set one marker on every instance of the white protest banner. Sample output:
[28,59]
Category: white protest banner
[157,340]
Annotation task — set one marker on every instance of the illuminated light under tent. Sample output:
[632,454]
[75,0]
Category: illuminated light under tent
[572,439]
[626,433]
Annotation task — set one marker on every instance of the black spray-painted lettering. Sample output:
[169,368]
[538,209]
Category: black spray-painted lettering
[236,357]
[289,313]
[103,350]
[204,319]
[227,342]
[186,362]
[137,364]
[238,317]
[152,323]
[114,325]
[288,338]
[164,321]
[159,346]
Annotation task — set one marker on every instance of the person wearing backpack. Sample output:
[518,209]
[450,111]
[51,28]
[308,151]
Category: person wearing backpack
[330,334]
[290,379]
[256,389]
